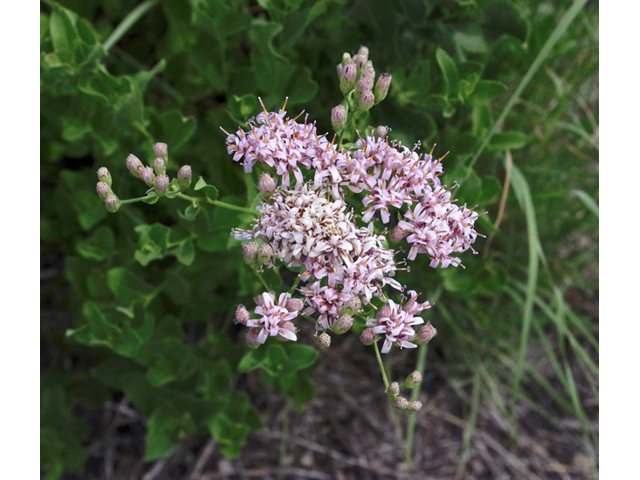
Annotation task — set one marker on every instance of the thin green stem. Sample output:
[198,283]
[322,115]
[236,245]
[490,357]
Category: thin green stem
[264,284]
[128,22]
[382,370]
[415,394]
[218,203]
[411,421]
[562,26]
[138,199]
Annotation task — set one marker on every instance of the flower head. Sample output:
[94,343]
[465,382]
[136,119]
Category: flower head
[398,327]
[275,318]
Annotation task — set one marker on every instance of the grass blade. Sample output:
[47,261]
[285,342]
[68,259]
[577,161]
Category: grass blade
[571,14]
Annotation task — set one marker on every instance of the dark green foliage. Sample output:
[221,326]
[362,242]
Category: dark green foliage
[143,280]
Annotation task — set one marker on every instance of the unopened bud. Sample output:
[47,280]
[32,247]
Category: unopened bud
[134,165]
[343,324]
[382,87]
[364,51]
[360,61]
[346,58]
[162,184]
[250,251]
[324,340]
[252,337]
[338,117]
[104,175]
[401,403]
[112,203]
[266,184]
[368,337]
[385,312]
[394,390]
[287,326]
[364,84]
[242,315]
[413,380]
[294,305]
[425,334]
[161,150]
[348,77]
[352,306]
[159,166]
[184,177]
[103,190]
[366,100]
[147,176]
[382,131]
[398,234]
[415,406]
[265,252]
[369,71]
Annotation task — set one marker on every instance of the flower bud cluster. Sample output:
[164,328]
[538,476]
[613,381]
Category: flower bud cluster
[103,189]
[359,86]
[155,176]
[401,403]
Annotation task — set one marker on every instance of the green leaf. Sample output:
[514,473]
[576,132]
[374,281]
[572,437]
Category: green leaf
[177,288]
[103,330]
[90,209]
[190,213]
[186,253]
[64,35]
[511,140]
[486,90]
[252,359]
[210,191]
[44,27]
[298,22]
[75,129]
[449,71]
[471,41]
[129,288]
[173,128]
[161,426]
[301,356]
[99,246]
[243,107]
[491,188]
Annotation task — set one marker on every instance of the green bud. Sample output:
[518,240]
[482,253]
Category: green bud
[324,340]
[413,380]
[184,177]
[104,175]
[103,190]
[343,324]
[394,390]
[112,203]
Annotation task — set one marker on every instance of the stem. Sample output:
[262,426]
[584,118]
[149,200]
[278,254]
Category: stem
[138,199]
[218,203]
[128,22]
[382,370]
[264,284]
[411,421]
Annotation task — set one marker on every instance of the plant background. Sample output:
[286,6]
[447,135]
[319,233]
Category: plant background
[142,372]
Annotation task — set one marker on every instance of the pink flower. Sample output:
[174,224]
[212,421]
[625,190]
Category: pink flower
[398,327]
[273,318]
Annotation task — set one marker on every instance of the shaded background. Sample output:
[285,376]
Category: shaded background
[139,353]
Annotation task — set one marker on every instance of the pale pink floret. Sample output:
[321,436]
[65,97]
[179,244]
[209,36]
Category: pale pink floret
[273,318]
[397,328]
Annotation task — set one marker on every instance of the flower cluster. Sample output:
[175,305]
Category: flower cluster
[345,261]
[154,176]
